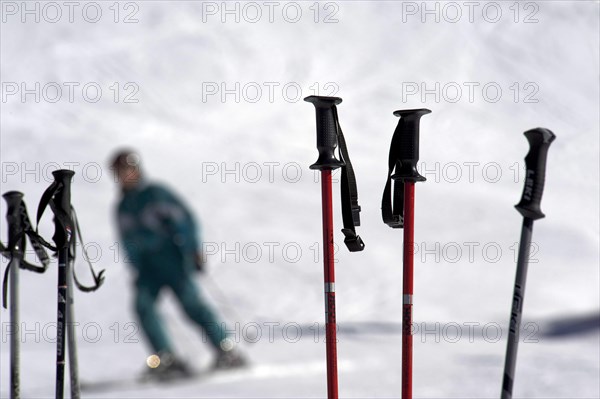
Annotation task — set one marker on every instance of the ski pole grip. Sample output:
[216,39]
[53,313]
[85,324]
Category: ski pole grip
[326,132]
[535,165]
[62,198]
[13,218]
[407,146]
[62,202]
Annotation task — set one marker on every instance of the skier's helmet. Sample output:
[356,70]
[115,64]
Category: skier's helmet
[125,158]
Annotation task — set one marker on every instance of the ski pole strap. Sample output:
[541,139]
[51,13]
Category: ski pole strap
[17,244]
[62,218]
[330,136]
[392,210]
[349,194]
[403,158]
[58,199]
[98,278]
[62,236]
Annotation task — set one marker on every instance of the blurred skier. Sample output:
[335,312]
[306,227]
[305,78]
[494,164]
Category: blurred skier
[160,238]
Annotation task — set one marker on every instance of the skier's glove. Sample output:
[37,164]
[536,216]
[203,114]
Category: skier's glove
[200,263]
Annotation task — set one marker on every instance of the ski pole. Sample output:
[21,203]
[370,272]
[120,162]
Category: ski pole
[221,297]
[529,207]
[15,248]
[19,230]
[63,228]
[404,155]
[326,162]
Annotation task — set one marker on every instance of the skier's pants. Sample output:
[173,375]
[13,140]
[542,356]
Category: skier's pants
[192,304]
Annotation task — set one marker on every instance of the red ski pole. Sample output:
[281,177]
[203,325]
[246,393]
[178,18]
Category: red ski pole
[404,154]
[327,129]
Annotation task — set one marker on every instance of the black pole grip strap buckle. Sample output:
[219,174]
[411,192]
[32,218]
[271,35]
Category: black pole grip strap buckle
[330,137]
[403,158]
[353,241]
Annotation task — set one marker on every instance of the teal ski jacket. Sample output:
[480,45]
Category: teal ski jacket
[157,230]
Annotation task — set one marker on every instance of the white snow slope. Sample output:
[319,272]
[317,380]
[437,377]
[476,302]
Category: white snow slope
[217,113]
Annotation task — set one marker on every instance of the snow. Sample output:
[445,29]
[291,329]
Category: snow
[372,57]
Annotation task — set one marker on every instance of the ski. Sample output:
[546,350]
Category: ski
[201,375]
[129,383]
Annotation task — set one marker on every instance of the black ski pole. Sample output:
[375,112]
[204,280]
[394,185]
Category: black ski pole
[19,230]
[15,248]
[529,206]
[63,230]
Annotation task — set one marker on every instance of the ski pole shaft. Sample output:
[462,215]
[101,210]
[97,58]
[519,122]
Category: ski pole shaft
[71,335]
[530,207]
[407,290]
[326,162]
[15,356]
[63,257]
[517,308]
[62,238]
[15,246]
[329,273]
[221,298]
[15,349]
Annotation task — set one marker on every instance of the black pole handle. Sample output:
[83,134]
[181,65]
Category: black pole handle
[13,218]
[326,132]
[407,146]
[62,214]
[535,164]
